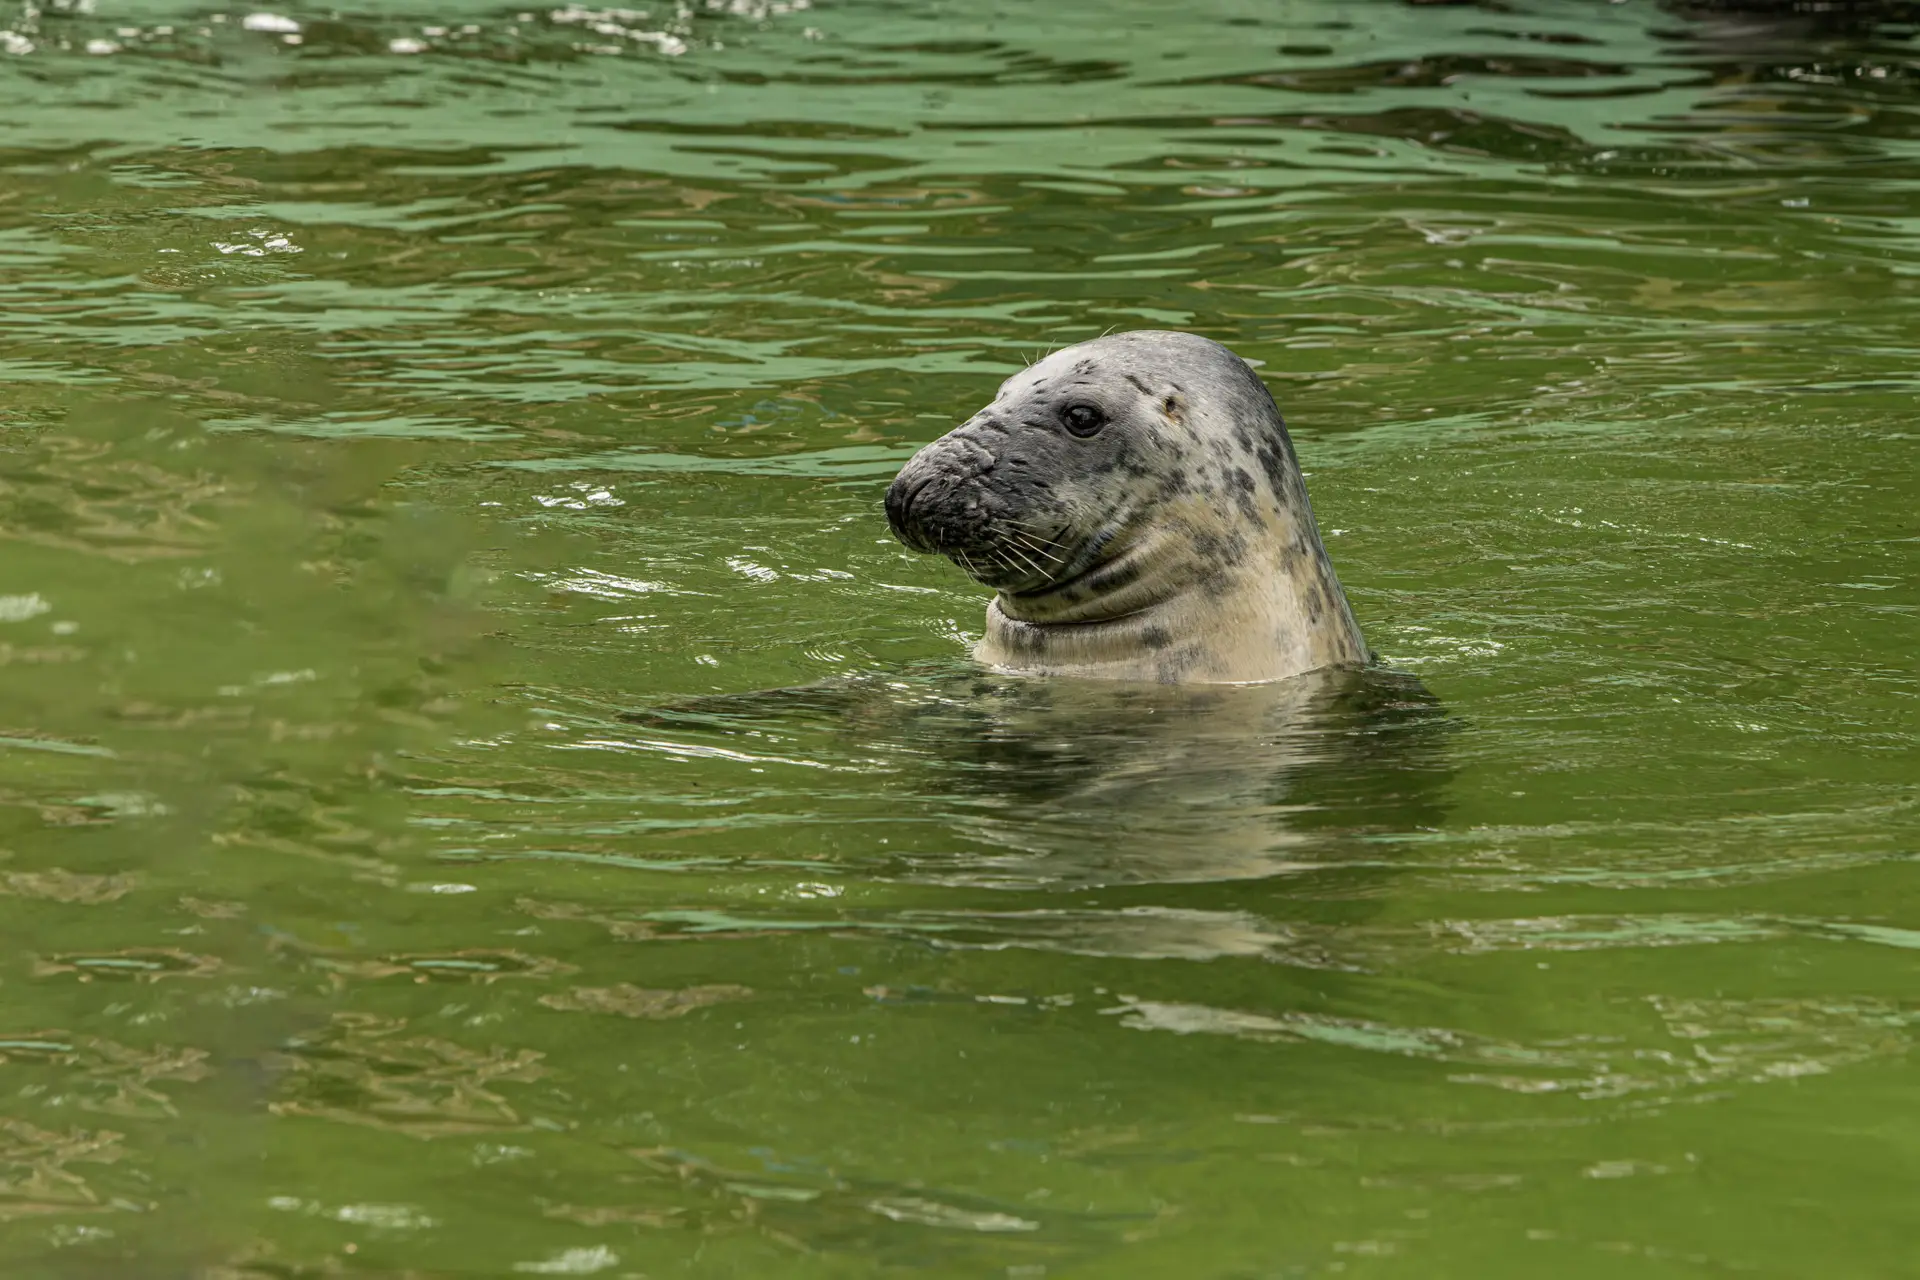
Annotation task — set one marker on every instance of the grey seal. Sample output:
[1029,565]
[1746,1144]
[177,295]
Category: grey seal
[1136,505]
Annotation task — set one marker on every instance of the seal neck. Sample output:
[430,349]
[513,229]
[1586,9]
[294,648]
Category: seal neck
[1276,612]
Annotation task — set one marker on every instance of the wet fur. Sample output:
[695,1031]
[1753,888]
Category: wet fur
[1175,545]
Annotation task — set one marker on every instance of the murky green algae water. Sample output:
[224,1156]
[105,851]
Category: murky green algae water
[428,432]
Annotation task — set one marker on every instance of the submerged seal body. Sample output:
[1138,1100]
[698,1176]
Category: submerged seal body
[1136,505]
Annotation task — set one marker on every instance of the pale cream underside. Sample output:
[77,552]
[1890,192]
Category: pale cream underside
[1259,629]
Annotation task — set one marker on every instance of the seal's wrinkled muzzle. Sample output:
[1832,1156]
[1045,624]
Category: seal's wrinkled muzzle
[938,502]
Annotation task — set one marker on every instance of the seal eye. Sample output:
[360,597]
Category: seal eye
[1082,419]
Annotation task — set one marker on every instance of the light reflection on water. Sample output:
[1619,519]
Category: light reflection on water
[481,793]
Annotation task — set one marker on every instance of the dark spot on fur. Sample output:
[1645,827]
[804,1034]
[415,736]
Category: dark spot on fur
[1145,390]
[1112,578]
[1274,461]
[1220,554]
[1025,637]
[1155,638]
[1240,481]
[1172,668]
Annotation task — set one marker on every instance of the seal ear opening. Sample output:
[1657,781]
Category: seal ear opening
[1174,405]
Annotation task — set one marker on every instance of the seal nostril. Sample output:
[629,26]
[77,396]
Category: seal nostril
[913,491]
[899,505]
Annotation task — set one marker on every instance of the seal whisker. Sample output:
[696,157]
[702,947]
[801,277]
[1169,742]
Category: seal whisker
[1051,550]
[1018,523]
[1032,531]
[1053,560]
[1009,558]
[1023,535]
[1047,554]
[1013,549]
[1055,557]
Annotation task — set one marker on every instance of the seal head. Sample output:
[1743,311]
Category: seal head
[1136,506]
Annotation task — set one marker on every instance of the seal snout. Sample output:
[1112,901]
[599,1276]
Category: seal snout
[900,495]
[938,502]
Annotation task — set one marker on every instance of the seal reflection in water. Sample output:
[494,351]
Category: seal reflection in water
[1136,505]
[1008,783]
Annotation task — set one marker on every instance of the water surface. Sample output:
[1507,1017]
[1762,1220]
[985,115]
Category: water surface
[429,430]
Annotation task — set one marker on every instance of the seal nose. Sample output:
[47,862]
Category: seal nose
[900,495]
[939,502]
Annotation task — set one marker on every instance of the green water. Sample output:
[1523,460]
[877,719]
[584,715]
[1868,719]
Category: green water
[409,431]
